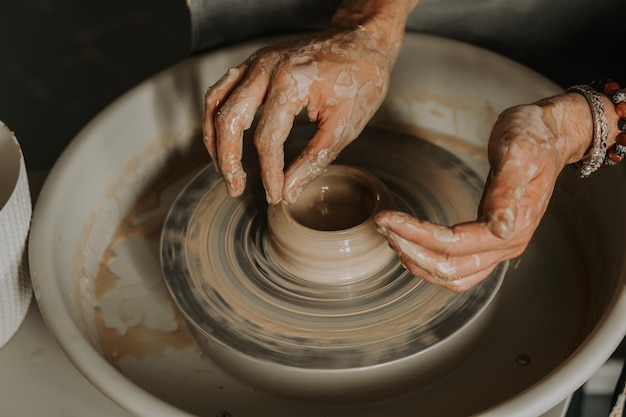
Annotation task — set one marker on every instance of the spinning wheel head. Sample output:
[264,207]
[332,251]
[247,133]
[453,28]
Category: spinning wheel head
[311,291]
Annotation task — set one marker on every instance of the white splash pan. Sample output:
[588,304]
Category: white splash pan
[560,312]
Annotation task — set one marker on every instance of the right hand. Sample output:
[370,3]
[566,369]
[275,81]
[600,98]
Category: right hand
[528,147]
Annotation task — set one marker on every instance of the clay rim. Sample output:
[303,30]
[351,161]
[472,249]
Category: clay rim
[358,181]
[329,235]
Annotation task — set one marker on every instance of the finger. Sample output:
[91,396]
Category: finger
[470,281]
[237,115]
[515,207]
[459,285]
[458,240]
[446,269]
[310,164]
[513,169]
[500,203]
[214,97]
[340,120]
[337,127]
[275,123]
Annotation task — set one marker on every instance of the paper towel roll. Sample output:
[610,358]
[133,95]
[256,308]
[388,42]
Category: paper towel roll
[15,215]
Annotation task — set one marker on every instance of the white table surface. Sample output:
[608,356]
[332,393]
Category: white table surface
[37,378]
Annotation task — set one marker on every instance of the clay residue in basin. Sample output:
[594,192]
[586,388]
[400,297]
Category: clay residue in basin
[140,341]
[134,315]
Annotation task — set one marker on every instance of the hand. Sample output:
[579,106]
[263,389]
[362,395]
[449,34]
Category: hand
[528,147]
[340,76]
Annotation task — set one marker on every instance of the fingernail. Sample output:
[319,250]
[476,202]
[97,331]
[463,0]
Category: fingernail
[292,194]
[382,230]
[235,182]
[390,219]
[272,200]
[393,242]
[230,189]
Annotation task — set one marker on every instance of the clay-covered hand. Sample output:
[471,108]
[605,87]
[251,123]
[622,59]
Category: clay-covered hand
[340,76]
[528,147]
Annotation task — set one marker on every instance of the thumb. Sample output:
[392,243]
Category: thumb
[499,205]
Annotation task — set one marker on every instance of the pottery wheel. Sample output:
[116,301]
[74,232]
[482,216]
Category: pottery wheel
[215,264]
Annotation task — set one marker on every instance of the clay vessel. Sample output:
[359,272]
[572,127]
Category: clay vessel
[329,236]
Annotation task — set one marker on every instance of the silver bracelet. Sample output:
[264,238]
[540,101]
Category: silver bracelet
[593,160]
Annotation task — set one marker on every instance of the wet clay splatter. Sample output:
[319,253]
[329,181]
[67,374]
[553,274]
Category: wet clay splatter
[139,337]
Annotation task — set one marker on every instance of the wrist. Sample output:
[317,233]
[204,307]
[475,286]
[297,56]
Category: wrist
[577,126]
[583,127]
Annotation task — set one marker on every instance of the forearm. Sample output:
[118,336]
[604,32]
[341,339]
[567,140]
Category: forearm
[386,19]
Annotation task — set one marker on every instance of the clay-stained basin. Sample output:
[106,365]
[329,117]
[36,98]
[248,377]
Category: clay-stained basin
[558,316]
[307,300]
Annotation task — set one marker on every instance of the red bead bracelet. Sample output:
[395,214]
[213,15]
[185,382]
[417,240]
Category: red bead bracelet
[612,90]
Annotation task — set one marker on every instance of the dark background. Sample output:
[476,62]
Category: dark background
[63,61]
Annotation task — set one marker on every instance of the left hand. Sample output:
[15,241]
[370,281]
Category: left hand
[339,75]
[528,147]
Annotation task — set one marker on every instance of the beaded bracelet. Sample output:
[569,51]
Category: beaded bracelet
[618,97]
[593,160]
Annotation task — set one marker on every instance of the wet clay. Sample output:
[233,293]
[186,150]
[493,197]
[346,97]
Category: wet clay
[123,331]
[215,253]
[334,202]
[329,236]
